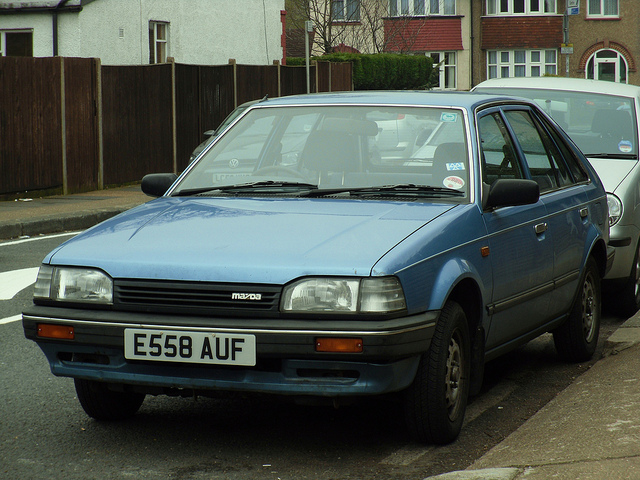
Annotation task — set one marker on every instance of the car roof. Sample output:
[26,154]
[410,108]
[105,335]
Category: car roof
[467,100]
[563,83]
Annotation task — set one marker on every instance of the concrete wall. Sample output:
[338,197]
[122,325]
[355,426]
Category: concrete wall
[201,32]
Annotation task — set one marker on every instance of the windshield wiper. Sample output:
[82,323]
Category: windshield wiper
[403,189]
[626,156]
[249,186]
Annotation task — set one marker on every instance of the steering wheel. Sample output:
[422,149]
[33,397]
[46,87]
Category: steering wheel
[279,169]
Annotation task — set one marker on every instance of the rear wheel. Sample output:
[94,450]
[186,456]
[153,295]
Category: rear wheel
[102,403]
[576,340]
[436,401]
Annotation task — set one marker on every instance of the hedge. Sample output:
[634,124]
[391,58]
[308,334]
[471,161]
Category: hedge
[383,71]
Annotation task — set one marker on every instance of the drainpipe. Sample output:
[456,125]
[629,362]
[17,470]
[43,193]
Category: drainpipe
[54,25]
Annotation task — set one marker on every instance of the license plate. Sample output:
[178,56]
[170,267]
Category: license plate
[190,347]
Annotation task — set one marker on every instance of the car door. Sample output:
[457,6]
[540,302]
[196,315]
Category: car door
[546,159]
[520,248]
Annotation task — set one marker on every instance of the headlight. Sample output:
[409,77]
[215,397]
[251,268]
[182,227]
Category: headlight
[68,284]
[615,209]
[344,295]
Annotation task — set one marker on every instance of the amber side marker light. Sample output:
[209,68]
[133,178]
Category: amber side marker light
[339,345]
[46,330]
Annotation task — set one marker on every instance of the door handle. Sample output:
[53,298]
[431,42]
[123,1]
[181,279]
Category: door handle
[584,212]
[541,228]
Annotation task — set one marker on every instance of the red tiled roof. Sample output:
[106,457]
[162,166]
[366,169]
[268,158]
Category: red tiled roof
[423,34]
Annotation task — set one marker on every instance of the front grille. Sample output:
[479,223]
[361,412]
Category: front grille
[196,298]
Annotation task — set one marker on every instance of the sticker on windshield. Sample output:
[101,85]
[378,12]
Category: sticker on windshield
[625,146]
[453,182]
[448,117]
[455,166]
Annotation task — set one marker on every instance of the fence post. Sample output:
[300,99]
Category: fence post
[315,64]
[277,64]
[174,120]
[98,67]
[63,129]
[232,61]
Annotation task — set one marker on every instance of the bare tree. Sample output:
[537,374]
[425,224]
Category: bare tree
[364,25]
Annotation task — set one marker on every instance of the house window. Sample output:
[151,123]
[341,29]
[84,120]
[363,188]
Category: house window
[345,10]
[607,65]
[421,7]
[602,8]
[158,42]
[521,63]
[16,43]
[445,63]
[521,7]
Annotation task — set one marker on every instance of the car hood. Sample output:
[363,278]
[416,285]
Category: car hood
[246,240]
[612,171]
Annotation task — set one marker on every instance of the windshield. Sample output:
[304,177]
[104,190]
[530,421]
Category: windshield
[337,148]
[601,125]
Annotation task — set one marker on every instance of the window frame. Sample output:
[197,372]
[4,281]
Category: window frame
[493,8]
[447,70]
[603,6]
[421,8]
[3,39]
[496,68]
[155,42]
[349,11]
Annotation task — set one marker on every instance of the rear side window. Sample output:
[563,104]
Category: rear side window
[573,164]
[543,158]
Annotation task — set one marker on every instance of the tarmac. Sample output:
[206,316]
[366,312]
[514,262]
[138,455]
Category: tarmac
[589,431]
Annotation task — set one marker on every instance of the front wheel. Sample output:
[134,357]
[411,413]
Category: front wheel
[102,403]
[576,340]
[436,401]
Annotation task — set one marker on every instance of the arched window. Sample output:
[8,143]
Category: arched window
[607,65]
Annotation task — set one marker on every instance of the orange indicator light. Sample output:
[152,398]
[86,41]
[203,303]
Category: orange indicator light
[46,330]
[339,345]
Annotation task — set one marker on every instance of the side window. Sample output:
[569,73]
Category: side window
[498,155]
[542,157]
[574,165]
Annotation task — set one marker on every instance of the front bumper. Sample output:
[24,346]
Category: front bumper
[287,362]
[624,238]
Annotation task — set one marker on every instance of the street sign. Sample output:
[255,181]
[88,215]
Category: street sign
[573,7]
[566,49]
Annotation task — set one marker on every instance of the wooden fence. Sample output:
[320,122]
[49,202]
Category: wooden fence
[72,125]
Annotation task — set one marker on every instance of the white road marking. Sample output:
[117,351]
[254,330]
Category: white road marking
[33,239]
[15,318]
[16,280]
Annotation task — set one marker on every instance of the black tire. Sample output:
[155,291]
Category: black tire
[576,340]
[102,403]
[629,296]
[436,401]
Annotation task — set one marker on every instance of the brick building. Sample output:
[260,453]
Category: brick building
[596,39]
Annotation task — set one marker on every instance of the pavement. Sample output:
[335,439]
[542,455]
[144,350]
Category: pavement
[589,431]
[59,213]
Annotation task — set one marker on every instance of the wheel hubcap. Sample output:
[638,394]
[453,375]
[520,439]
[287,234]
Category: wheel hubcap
[454,377]
[589,308]
[637,279]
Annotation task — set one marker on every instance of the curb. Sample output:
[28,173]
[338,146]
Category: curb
[55,224]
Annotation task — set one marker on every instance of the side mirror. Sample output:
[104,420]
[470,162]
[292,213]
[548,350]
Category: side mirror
[509,192]
[156,184]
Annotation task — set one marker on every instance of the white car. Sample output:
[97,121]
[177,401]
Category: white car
[602,119]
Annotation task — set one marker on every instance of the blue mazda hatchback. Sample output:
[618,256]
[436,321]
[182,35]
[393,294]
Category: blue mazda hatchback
[337,246]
